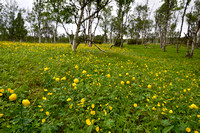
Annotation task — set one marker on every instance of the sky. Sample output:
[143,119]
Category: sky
[153,5]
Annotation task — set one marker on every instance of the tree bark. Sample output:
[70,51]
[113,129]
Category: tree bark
[198,40]
[89,27]
[187,3]
[74,45]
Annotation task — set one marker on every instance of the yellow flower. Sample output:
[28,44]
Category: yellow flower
[162,113]
[122,82]
[57,79]
[127,74]
[97,128]
[2,90]
[1,94]
[83,100]
[153,108]
[135,105]
[108,75]
[133,78]
[71,106]
[47,113]
[45,90]
[92,105]
[110,107]
[76,81]
[74,84]
[11,91]
[88,122]
[13,97]
[64,78]
[1,115]
[50,94]
[198,116]
[76,67]
[149,86]
[26,102]
[43,120]
[184,90]
[127,82]
[196,132]
[120,75]
[41,110]
[188,129]
[84,72]
[69,99]
[92,112]
[45,69]
[170,111]
[44,98]
[193,106]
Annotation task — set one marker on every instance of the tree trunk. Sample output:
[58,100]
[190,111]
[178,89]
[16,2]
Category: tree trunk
[198,40]
[89,27]
[74,45]
[193,42]
[55,33]
[187,3]
[188,43]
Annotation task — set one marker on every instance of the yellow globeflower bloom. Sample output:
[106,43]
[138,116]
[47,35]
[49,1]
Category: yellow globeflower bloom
[92,105]
[188,129]
[26,102]
[84,72]
[193,106]
[127,82]
[88,122]
[196,132]
[83,100]
[122,82]
[69,99]
[76,81]
[43,120]
[127,74]
[76,67]
[133,78]
[2,90]
[108,75]
[92,112]
[170,111]
[57,79]
[47,113]
[97,128]
[9,89]
[135,105]
[1,115]
[110,107]
[13,97]
[1,94]
[64,78]
[149,86]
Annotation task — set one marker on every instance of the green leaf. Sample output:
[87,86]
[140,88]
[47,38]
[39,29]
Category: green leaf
[167,129]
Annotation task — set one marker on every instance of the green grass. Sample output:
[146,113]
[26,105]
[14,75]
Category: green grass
[174,81]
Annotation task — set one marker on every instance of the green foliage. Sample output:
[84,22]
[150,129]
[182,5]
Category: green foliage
[45,74]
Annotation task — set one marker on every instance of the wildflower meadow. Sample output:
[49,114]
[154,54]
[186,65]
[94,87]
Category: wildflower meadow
[48,88]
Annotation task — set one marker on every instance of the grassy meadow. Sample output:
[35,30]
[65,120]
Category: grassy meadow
[133,89]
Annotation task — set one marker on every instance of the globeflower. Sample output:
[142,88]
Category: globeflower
[122,82]
[69,99]
[108,75]
[1,94]
[57,79]
[47,113]
[188,129]
[193,106]
[13,97]
[88,122]
[64,78]
[76,81]
[149,86]
[135,105]
[26,102]
[97,128]
[76,67]
[1,115]
[84,72]
[43,120]
[127,82]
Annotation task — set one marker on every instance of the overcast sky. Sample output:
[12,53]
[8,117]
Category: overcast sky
[153,5]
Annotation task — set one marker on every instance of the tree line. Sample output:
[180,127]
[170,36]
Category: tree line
[131,23]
